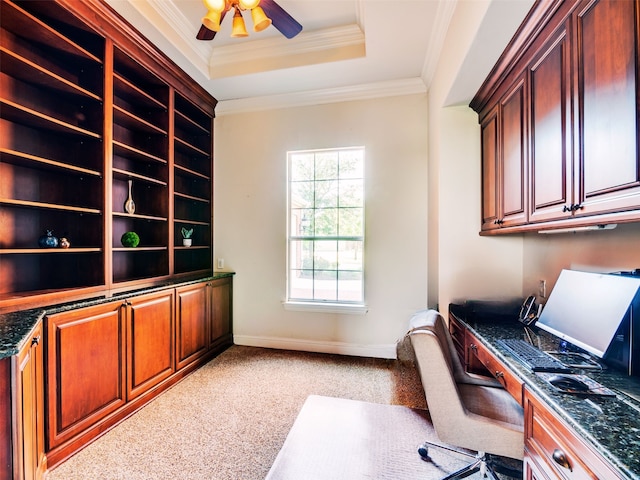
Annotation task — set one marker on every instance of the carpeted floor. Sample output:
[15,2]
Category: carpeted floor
[229,419]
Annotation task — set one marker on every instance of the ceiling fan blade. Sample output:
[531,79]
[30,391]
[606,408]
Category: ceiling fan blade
[205,34]
[280,19]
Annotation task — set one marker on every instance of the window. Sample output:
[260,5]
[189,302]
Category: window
[326,226]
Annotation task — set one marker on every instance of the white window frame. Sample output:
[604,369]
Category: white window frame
[320,305]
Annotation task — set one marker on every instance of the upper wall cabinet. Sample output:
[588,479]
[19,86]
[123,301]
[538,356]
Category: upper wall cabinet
[504,161]
[100,134]
[575,65]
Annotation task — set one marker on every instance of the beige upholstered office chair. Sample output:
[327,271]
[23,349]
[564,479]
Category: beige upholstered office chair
[465,411]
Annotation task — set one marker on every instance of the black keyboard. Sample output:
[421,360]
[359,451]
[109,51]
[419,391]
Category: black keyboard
[532,357]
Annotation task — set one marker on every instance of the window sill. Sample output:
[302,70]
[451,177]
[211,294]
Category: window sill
[326,308]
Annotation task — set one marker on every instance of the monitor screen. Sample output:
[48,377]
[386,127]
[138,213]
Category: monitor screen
[586,309]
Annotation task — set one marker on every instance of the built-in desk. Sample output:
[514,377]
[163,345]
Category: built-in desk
[599,436]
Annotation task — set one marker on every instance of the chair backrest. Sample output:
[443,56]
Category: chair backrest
[436,367]
[469,415]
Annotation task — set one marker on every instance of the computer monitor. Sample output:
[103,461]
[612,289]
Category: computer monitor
[587,309]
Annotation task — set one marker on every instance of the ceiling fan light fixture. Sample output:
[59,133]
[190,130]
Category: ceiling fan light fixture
[215,5]
[212,20]
[238,28]
[260,19]
[248,4]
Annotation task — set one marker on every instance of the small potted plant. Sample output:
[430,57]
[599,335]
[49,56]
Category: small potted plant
[186,236]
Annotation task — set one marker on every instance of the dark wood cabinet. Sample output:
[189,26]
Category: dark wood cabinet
[490,170]
[567,90]
[85,369]
[203,319]
[193,313]
[551,129]
[606,106]
[22,448]
[221,298]
[103,362]
[504,161]
[150,346]
[90,111]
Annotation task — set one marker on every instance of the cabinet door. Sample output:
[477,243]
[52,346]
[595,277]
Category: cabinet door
[29,409]
[150,353]
[551,161]
[490,191]
[192,322]
[84,369]
[513,176]
[607,86]
[6,450]
[504,161]
[221,298]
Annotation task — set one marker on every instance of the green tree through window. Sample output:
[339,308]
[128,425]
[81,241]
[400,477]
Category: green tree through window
[326,226]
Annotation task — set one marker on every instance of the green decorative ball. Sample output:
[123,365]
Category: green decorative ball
[130,239]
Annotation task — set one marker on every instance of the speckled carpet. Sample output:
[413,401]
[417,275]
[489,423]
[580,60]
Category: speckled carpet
[229,419]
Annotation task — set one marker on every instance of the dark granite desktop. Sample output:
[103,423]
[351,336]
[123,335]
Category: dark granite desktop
[611,425]
[16,326]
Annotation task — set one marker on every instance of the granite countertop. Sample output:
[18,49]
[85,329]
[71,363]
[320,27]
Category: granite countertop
[611,425]
[15,327]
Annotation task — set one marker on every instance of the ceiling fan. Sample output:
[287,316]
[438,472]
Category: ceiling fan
[263,14]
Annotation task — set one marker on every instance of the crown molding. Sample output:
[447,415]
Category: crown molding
[318,97]
[443,17]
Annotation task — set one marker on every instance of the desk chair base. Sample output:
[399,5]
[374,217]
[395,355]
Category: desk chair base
[482,463]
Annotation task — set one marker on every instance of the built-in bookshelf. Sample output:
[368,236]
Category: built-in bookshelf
[88,111]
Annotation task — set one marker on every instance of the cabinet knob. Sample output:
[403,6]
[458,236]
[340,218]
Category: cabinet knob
[561,459]
[473,347]
[499,374]
[567,209]
[35,340]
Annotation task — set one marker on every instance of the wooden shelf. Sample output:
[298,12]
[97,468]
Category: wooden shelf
[47,251]
[191,149]
[139,249]
[20,22]
[191,124]
[21,158]
[48,206]
[136,216]
[191,197]
[190,222]
[28,71]
[128,119]
[189,171]
[126,174]
[20,114]
[128,89]
[128,150]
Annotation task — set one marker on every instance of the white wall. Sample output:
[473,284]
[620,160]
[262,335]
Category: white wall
[463,265]
[605,251]
[250,218]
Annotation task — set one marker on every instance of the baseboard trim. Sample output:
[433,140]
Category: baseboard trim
[340,348]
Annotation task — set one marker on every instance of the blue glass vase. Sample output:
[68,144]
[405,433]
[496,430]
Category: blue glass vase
[48,240]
